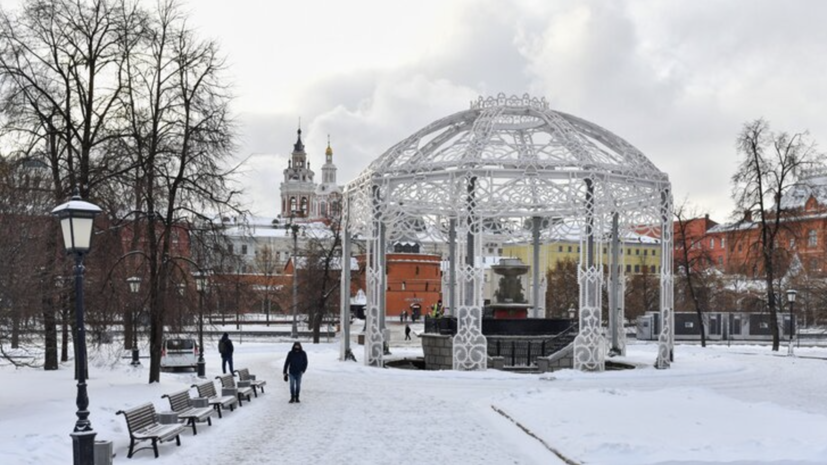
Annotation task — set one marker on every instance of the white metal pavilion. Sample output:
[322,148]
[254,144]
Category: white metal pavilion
[511,169]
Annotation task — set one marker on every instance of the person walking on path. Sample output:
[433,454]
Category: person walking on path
[225,348]
[407,332]
[294,367]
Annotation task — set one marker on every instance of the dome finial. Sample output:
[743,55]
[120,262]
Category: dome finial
[329,151]
[299,146]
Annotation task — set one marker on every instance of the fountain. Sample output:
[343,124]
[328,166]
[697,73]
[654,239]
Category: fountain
[509,299]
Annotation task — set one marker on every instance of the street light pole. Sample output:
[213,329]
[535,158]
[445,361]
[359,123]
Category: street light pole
[201,287]
[294,331]
[76,221]
[791,300]
[134,287]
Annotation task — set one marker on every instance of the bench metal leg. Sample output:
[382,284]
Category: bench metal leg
[155,446]
[218,409]
[192,423]
[178,440]
[131,448]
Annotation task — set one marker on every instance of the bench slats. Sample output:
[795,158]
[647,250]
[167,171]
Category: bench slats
[207,389]
[181,403]
[228,382]
[143,426]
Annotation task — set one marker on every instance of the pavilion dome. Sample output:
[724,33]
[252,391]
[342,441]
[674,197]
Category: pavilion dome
[514,133]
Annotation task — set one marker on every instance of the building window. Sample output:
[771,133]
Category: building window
[792,242]
[654,253]
[637,268]
[559,248]
[230,249]
[628,251]
[569,248]
[712,243]
[652,269]
[813,265]
[244,249]
[403,285]
[645,252]
[812,238]
[628,268]
[723,240]
[637,251]
[720,261]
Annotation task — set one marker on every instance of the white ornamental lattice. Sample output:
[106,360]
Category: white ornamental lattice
[488,171]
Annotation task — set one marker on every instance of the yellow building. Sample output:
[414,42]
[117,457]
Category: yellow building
[639,255]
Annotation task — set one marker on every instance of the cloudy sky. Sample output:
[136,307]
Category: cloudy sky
[677,79]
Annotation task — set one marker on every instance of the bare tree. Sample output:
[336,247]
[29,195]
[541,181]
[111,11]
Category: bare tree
[770,163]
[562,293]
[319,276]
[267,264]
[691,260]
[179,136]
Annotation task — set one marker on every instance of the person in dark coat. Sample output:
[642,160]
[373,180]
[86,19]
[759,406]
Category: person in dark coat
[407,333]
[225,347]
[294,367]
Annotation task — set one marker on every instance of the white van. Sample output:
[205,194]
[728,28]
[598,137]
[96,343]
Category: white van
[179,353]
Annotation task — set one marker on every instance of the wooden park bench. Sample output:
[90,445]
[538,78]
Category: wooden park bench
[143,426]
[244,376]
[228,383]
[207,389]
[181,404]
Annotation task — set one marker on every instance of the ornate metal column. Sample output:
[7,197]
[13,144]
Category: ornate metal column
[666,339]
[536,221]
[470,346]
[451,300]
[589,345]
[374,340]
[344,311]
[616,317]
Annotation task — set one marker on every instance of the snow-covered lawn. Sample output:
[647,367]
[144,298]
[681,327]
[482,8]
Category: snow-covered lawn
[741,405]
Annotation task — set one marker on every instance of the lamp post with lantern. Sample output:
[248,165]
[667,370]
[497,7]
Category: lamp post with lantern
[201,286]
[294,230]
[76,222]
[791,301]
[135,287]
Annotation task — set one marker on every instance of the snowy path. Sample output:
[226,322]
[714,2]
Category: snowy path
[362,415]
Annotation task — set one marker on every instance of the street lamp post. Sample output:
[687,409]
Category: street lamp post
[201,287]
[135,287]
[791,300]
[76,222]
[294,229]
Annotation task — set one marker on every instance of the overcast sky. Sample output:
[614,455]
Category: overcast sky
[677,79]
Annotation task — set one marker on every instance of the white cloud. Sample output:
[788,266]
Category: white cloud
[676,79]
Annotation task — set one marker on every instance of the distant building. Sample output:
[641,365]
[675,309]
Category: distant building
[301,197]
[734,247]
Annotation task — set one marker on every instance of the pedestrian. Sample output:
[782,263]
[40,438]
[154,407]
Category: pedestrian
[436,311]
[225,348]
[407,332]
[294,367]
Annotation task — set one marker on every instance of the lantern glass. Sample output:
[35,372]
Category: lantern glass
[200,281]
[791,296]
[134,284]
[76,222]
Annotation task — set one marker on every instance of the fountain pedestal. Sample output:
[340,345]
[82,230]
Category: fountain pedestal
[509,301]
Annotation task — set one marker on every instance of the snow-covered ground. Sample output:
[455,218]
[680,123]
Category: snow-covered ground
[734,405]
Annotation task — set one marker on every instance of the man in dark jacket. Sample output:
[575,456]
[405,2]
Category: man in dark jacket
[225,347]
[295,365]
